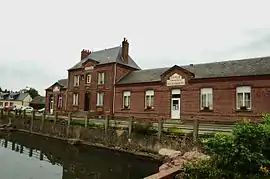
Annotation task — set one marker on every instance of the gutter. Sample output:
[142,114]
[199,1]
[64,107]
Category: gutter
[114,82]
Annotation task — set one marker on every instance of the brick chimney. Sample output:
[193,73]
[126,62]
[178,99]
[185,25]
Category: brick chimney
[85,53]
[125,46]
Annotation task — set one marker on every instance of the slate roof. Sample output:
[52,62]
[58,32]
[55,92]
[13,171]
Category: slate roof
[63,82]
[107,56]
[243,67]
[38,100]
[16,96]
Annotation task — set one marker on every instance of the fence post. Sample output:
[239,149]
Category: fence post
[2,113]
[106,125]
[42,121]
[160,128]
[130,125]
[85,121]
[32,121]
[24,114]
[68,124]
[20,113]
[195,130]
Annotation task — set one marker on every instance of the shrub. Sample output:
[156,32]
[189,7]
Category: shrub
[242,154]
[144,128]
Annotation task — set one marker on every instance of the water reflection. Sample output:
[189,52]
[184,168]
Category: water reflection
[30,156]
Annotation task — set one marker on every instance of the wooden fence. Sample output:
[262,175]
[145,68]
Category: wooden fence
[194,127]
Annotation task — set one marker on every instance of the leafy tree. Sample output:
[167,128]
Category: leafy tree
[33,92]
[1,89]
[245,153]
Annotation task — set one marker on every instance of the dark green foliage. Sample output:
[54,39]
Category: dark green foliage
[33,92]
[242,154]
[144,128]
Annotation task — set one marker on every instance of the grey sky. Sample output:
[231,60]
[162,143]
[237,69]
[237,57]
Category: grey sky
[40,40]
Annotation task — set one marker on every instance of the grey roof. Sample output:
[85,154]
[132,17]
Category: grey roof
[243,67]
[13,96]
[139,76]
[38,100]
[107,56]
[63,82]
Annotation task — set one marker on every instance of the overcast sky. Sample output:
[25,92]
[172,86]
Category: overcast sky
[40,40]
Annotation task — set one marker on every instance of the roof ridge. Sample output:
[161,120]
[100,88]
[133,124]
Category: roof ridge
[230,60]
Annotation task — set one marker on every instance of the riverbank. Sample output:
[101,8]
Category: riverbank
[154,155]
[138,138]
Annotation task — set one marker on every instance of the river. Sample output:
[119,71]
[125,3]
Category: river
[26,156]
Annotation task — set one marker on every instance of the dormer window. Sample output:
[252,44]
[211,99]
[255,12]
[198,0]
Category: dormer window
[11,96]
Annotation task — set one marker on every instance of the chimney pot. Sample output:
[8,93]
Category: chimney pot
[85,53]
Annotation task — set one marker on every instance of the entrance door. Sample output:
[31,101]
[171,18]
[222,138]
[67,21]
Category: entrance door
[86,102]
[51,105]
[175,104]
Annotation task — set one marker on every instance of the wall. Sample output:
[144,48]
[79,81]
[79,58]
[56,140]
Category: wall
[224,99]
[26,100]
[93,88]
[55,98]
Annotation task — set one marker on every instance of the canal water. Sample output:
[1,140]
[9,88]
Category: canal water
[26,156]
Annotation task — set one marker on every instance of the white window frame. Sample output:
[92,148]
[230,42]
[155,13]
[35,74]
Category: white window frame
[101,78]
[126,99]
[76,80]
[244,90]
[206,98]
[88,78]
[75,99]
[149,99]
[100,98]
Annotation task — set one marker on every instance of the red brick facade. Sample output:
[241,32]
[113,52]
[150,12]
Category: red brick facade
[224,99]
[178,93]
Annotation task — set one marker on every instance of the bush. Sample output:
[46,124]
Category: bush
[144,128]
[242,154]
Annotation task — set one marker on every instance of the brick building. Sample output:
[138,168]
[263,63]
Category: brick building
[110,82]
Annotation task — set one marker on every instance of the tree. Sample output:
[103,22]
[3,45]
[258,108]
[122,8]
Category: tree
[1,89]
[33,92]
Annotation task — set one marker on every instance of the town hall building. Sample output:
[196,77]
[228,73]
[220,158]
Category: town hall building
[109,82]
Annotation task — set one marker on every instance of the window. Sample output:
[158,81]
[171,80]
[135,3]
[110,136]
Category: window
[6,104]
[82,77]
[100,99]
[1,104]
[149,99]
[88,78]
[101,78]
[76,80]
[206,98]
[11,104]
[75,99]
[60,102]
[243,97]
[126,99]
[11,96]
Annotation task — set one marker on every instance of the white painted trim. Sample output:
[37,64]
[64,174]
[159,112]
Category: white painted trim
[149,93]
[243,89]
[176,91]
[206,90]
[126,93]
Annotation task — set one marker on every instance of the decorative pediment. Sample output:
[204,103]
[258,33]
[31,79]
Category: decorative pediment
[176,80]
[56,88]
